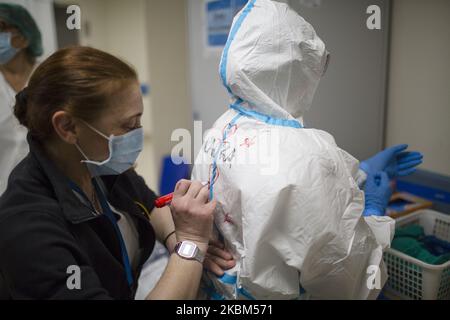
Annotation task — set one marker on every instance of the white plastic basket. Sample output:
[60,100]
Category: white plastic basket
[412,279]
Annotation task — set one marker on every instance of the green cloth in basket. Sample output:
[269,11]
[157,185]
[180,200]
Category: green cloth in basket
[408,241]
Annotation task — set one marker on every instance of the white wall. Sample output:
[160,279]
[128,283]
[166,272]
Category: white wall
[167,47]
[419,82]
[350,102]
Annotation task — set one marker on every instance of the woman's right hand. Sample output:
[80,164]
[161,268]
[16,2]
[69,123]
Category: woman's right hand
[192,212]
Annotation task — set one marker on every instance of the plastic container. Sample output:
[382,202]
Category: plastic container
[412,279]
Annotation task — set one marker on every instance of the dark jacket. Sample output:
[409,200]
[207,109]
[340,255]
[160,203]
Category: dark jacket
[45,229]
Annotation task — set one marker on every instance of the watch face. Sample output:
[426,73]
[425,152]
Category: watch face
[187,249]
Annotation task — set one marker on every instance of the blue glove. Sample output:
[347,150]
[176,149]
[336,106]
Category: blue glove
[394,161]
[378,193]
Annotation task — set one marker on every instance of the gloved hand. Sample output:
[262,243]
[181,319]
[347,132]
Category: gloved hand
[394,161]
[378,192]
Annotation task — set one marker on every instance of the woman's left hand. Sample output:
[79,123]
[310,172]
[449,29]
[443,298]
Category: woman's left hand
[218,259]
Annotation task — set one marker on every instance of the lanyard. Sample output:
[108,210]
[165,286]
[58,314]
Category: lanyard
[108,212]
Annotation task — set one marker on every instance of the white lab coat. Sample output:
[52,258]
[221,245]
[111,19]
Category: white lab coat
[289,205]
[13,144]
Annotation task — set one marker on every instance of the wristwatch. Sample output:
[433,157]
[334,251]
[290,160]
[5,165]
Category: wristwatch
[189,250]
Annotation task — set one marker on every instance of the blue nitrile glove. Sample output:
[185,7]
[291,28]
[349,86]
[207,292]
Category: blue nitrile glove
[378,192]
[394,161]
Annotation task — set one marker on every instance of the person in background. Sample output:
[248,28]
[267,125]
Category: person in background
[20,45]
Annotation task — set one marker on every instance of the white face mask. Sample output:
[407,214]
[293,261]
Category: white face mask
[123,152]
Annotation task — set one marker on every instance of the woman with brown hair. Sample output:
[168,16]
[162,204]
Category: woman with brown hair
[74,219]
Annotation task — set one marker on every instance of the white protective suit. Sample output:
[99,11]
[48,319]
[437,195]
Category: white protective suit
[289,207]
[13,142]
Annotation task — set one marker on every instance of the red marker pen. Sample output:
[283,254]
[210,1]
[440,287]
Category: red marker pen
[167,199]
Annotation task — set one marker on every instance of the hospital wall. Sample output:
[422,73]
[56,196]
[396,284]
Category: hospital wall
[419,80]
[167,47]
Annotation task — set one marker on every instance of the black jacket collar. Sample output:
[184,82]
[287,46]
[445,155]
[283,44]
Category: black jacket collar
[60,183]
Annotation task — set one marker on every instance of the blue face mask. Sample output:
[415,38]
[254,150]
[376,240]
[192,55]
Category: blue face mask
[7,51]
[123,153]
